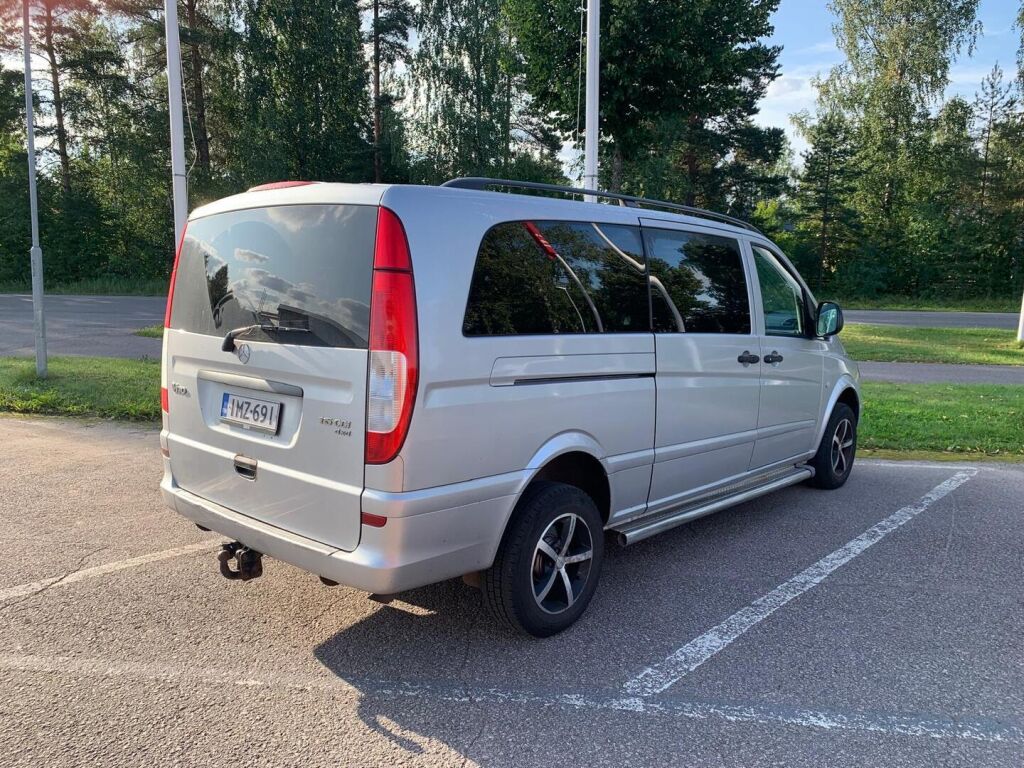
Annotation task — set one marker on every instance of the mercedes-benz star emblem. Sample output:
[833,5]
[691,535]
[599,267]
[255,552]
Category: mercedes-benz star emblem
[243,352]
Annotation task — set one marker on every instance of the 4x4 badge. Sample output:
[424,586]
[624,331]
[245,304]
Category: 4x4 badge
[243,352]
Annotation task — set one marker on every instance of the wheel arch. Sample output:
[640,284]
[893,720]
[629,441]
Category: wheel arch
[845,391]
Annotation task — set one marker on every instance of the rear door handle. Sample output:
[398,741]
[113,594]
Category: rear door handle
[747,358]
[245,467]
[774,358]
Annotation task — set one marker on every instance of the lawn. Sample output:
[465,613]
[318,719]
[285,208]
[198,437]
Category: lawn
[893,343]
[957,419]
[82,386]
[952,420]
[151,332]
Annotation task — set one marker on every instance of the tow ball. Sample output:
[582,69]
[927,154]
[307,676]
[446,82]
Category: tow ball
[248,562]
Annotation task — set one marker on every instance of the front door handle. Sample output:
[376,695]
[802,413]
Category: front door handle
[774,358]
[747,358]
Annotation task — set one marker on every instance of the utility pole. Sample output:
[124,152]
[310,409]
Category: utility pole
[593,95]
[36,253]
[178,181]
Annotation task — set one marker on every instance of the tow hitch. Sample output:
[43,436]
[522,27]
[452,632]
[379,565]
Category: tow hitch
[248,562]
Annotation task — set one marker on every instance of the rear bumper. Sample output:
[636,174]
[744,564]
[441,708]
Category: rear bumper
[430,535]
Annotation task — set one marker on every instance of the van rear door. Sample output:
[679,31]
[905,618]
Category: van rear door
[271,423]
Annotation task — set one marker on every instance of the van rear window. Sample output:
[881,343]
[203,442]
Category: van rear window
[298,274]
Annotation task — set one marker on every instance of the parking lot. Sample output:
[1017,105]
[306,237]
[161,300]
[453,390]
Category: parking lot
[880,624]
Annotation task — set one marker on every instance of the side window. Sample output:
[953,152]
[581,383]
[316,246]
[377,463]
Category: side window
[697,283]
[557,277]
[781,296]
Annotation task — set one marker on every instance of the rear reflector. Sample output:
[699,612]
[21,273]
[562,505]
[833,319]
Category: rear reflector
[280,185]
[163,400]
[374,521]
[394,343]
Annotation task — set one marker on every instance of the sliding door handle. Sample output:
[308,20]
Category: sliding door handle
[747,358]
[774,358]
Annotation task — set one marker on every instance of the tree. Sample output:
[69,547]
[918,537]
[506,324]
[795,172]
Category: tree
[470,113]
[388,37]
[825,189]
[304,94]
[687,72]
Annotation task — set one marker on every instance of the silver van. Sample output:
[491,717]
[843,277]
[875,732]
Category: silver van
[390,386]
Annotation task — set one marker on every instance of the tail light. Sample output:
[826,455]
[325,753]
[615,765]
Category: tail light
[394,343]
[164,405]
[174,277]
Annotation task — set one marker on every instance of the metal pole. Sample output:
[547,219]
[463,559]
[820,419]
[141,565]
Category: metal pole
[36,253]
[593,70]
[178,181]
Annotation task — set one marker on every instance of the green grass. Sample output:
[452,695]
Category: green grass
[893,343]
[82,386]
[97,286]
[1011,304]
[973,421]
[965,420]
[151,332]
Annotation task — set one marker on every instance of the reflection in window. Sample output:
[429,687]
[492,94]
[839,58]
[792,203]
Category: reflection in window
[303,269]
[697,283]
[781,296]
[552,277]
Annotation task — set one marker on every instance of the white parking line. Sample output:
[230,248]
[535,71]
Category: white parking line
[1000,730]
[661,676]
[22,590]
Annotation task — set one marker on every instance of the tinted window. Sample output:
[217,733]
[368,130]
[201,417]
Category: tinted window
[697,283]
[555,277]
[304,267]
[782,298]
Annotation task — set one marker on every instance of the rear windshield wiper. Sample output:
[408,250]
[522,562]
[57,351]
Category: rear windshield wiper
[229,339]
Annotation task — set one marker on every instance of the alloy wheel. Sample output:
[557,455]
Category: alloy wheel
[561,563]
[842,447]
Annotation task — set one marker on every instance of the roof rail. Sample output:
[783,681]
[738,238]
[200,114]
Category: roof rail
[482,183]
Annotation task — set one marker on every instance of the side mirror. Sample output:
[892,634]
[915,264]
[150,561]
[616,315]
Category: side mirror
[830,319]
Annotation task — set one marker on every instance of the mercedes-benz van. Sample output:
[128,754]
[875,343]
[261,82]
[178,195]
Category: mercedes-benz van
[390,386]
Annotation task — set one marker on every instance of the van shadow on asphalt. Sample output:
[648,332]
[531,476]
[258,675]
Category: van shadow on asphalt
[418,661]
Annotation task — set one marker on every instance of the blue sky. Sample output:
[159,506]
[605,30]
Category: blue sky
[804,29]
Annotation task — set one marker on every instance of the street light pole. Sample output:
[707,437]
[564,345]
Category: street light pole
[593,95]
[36,253]
[178,180]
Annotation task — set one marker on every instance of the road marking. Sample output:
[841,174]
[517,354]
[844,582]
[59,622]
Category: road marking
[903,464]
[658,678]
[1002,730]
[22,590]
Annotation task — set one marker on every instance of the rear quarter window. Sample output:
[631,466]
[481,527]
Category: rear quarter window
[304,267]
[558,277]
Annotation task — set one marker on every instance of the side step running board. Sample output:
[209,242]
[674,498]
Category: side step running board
[643,529]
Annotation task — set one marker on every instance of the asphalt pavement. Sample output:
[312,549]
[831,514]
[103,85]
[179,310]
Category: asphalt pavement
[927,373]
[879,624]
[916,319]
[82,325]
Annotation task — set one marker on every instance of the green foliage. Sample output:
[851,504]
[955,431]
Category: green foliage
[899,194]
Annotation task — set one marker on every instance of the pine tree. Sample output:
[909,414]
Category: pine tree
[826,186]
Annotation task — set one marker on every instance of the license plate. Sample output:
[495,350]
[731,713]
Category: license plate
[250,413]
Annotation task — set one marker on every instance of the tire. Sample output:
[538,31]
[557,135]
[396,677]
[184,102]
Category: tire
[530,587]
[834,459]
